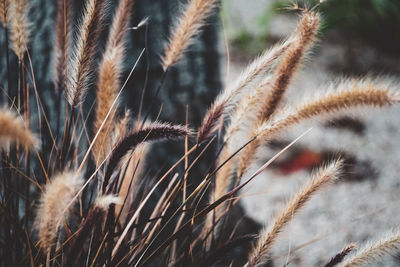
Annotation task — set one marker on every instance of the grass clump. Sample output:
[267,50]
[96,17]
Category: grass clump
[88,204]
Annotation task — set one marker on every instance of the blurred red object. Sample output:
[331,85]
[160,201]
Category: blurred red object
[306,159]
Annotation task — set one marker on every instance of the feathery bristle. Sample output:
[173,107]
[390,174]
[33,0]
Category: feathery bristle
[227,98]
[83,58]
[189,24]
[300,41]
[19,27]
[14,129]
[307,30]
[371,252]
[323,176]
[210,122]
[154,132]
[56,197]
[347,94]
[4,6]
[338,258]
[61,44]
[108,83]
[304,37]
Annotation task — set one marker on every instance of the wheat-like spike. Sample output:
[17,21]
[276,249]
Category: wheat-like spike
[4,8]
[349,94]
[19,27]
[188,25]
[228,98]
[14,129]
[338,258]
[372,251]
[325,175]
[55,198]
[293,49]
[108,83]
[83,57]
[307,30]
[61,43]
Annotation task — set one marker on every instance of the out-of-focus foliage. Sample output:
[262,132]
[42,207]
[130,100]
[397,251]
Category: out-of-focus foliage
[376,21]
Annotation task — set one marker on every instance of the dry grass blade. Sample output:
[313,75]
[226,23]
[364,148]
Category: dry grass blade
[4,8]
[371,252]
[56,196]
[188,25]
[325,175]
[19,27]
[109,80]
[81,65]
[14,129]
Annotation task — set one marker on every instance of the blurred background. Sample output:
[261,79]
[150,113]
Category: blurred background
[358,38]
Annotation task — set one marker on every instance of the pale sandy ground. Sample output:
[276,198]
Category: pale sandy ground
[346,211]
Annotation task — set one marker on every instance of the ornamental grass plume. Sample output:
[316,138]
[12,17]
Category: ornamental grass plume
[108,83]
[82,59]
[341,96]
[19,27]
[136,214]
[187,27]
[281,78]
[13,129]
[389,244]
[4,10]
[55,198]
[260,254]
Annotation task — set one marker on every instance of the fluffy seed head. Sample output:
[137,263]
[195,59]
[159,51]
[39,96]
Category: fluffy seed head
[373,251]
[82,60]
[54,200]
[108,84]
[4,8]
[19,27]
[189,24]
[323,176]
[14,129]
